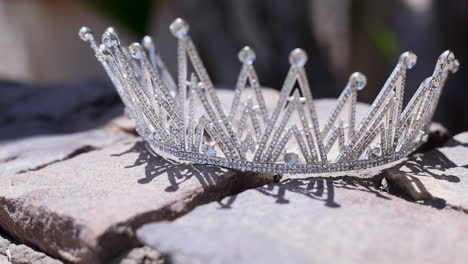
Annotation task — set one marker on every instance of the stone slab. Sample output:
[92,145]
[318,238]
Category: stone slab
[39,151]
[439,176]
[85,209]
[312,220]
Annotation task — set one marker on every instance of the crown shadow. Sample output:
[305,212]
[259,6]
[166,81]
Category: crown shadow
[177,173]
[436,167]
[321,189]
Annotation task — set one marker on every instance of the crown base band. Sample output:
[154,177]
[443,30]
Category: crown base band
[361,169]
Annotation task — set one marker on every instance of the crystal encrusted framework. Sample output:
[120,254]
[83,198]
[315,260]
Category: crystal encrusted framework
[187,122]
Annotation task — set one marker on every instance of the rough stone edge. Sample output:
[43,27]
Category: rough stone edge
[18,221]
[121,237]
[15,253]
[19,218]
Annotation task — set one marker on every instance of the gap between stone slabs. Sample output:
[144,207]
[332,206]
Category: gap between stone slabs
[85,209]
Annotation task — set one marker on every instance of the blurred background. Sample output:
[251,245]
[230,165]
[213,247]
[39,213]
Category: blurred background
[50,81]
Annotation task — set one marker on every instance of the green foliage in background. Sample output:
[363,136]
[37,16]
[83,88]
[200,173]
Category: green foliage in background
[133,14]
[380,35]
[384,40]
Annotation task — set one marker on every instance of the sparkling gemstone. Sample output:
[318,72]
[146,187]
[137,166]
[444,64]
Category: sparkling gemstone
[135,50]
[179,28]
[85,33]
[291,158]
[147,42]
[209,150]
[246,55]
[109,38]
[373,153]
[298,57]
[359,79]
[409,59]
[107,42]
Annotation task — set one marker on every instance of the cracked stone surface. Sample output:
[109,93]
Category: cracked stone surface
[85,209]
[312,220]
[439,176]
[39,151]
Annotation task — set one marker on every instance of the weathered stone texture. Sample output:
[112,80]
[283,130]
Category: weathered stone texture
[439,176]
[86,208]
[39,151]
[313,220]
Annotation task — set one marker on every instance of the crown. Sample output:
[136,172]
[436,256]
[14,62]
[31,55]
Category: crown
[187,122]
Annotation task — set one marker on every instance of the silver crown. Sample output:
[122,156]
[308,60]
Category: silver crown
[187,122]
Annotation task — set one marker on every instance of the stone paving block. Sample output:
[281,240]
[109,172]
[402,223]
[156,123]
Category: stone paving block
[39,151]
[312,220]
[439,176]
[85,209]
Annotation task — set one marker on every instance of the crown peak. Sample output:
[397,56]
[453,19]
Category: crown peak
[85,34]
[448,57]
[298,57]
[246,55]
[110,38]
[147,42]
[179,28]
[358,80]
[408,59]
[136,50]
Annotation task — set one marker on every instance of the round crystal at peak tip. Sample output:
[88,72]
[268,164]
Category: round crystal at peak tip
[298,57]
[179,28]
[409,59]
[85,33]
[447,56]
[359,80]
[147,42]
[135,50]
[110,38]
[246,55]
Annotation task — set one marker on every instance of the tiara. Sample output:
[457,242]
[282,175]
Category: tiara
[187,122]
